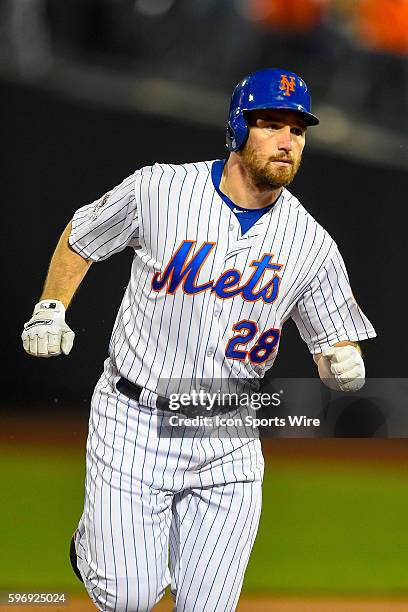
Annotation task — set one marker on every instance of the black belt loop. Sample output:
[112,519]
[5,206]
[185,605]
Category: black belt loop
[127,388]
[134,392]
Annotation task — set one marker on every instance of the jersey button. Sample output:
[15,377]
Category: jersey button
[210,353]
[231,226]
[216,313]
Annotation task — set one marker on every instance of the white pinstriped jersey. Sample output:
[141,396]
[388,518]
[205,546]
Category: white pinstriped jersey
[203,300]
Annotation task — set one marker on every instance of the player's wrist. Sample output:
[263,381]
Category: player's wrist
[50,305]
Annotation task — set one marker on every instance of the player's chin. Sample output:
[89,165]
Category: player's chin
[280,177]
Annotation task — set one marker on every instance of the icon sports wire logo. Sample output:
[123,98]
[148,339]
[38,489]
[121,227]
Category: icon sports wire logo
[287,84]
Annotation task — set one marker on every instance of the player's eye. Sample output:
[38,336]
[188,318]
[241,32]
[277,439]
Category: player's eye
[297,131]
[272,126]
[267,124]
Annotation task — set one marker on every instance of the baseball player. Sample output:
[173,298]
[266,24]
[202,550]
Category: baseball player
[224,254]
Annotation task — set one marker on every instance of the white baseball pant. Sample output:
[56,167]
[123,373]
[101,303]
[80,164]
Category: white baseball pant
[148,498]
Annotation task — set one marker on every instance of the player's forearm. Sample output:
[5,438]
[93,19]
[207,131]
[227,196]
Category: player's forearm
[66,272]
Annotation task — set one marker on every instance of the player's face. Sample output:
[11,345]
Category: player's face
[273,151]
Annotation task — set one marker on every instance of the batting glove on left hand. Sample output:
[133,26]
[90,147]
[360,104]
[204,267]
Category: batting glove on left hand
[346,365]
[46,334]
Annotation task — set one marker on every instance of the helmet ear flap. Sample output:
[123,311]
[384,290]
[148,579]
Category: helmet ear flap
[237,132]
[230,141]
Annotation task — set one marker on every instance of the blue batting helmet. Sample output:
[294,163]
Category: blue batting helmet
[269,88]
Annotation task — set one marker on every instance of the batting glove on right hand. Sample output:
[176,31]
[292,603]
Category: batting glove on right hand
[46,334]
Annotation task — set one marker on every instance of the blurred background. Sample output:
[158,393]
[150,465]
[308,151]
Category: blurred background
[91,90]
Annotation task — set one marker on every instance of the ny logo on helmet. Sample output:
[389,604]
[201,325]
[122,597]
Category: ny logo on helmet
[287,84]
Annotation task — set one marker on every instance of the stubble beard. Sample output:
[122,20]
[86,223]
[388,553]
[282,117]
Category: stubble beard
[263,174]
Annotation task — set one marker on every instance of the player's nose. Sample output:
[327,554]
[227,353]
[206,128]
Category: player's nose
[285,138]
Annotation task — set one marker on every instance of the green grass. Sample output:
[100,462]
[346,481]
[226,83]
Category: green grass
[332,529]
[324,529]
[42,497]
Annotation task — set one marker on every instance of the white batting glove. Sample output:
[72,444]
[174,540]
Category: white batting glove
[346,365]
[46,334]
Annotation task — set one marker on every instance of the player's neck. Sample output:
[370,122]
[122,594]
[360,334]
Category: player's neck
[237,185]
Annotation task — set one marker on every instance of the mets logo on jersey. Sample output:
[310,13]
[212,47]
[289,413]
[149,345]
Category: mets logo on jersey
[287,84]
[183,269]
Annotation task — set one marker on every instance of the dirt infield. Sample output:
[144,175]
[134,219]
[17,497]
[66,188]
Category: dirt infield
[250,605]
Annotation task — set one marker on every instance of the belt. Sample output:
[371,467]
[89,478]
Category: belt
[134,392]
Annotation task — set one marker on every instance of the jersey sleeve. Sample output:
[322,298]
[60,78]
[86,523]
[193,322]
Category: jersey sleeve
[109,224]
[327,311]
